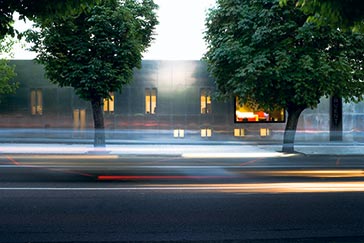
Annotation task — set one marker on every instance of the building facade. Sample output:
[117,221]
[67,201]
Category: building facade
[166,100]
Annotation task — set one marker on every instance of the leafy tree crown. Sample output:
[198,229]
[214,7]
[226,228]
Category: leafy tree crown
[346,14]
[96,51]
[269,55]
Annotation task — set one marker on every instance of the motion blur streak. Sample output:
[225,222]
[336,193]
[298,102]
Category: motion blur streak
[64,157]
[300,187]
[310,187]
[156,177]
[235,155]
[311,173]
[52,149]
[12,160]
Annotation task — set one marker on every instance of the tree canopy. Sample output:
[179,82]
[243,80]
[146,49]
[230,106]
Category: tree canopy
[43,10]
[7,71]
[340,13]
[271,56]
[95,52]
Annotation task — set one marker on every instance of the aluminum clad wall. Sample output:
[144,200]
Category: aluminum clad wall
[178,85]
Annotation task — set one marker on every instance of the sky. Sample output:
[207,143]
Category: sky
[179,35]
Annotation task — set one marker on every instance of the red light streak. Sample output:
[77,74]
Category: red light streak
[13,160]
[250,162]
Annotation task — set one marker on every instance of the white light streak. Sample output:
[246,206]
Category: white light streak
[235,155]
[303,187]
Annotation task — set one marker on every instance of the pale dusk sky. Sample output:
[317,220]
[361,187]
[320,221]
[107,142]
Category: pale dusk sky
[179,35]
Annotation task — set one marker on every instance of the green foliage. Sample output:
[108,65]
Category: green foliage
[6,46]
[42,10]
[272,56]
[7,73]
[346,14]
[96,51]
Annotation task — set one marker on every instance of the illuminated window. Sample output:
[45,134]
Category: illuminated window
[150,101]
[264,132]
[179,133]
[205,99]
[109,104]
[36,101]
[245,113]
[206,132]
[79,119]
[239,132]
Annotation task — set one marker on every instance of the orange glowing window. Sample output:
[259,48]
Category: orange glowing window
[245,113]
[150,101]
[109,104]
[205,100]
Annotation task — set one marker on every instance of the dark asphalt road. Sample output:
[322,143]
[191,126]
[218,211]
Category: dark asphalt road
[294,199]
[130,215]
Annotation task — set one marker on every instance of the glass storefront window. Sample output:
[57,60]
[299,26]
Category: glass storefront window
[245,113]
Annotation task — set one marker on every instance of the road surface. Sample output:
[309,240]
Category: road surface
[112,198]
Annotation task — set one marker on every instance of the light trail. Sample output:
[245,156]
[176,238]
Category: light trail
[159,177]
[66,156]
[314,173]
[310,187]
[234,155]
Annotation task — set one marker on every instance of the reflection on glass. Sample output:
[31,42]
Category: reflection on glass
[150,101]
[245,113]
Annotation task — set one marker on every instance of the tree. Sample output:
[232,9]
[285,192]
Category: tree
[42,10]
[271,56]
[339,13]
[95,52]
[7,73]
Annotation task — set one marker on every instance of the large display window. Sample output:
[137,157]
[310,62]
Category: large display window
[249,113]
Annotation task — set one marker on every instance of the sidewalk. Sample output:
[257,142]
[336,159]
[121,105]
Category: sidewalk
[221,150]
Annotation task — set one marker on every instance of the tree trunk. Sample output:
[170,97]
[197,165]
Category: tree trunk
[294,113]
[98,115]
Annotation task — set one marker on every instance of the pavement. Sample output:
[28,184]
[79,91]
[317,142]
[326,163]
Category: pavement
[203,150]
